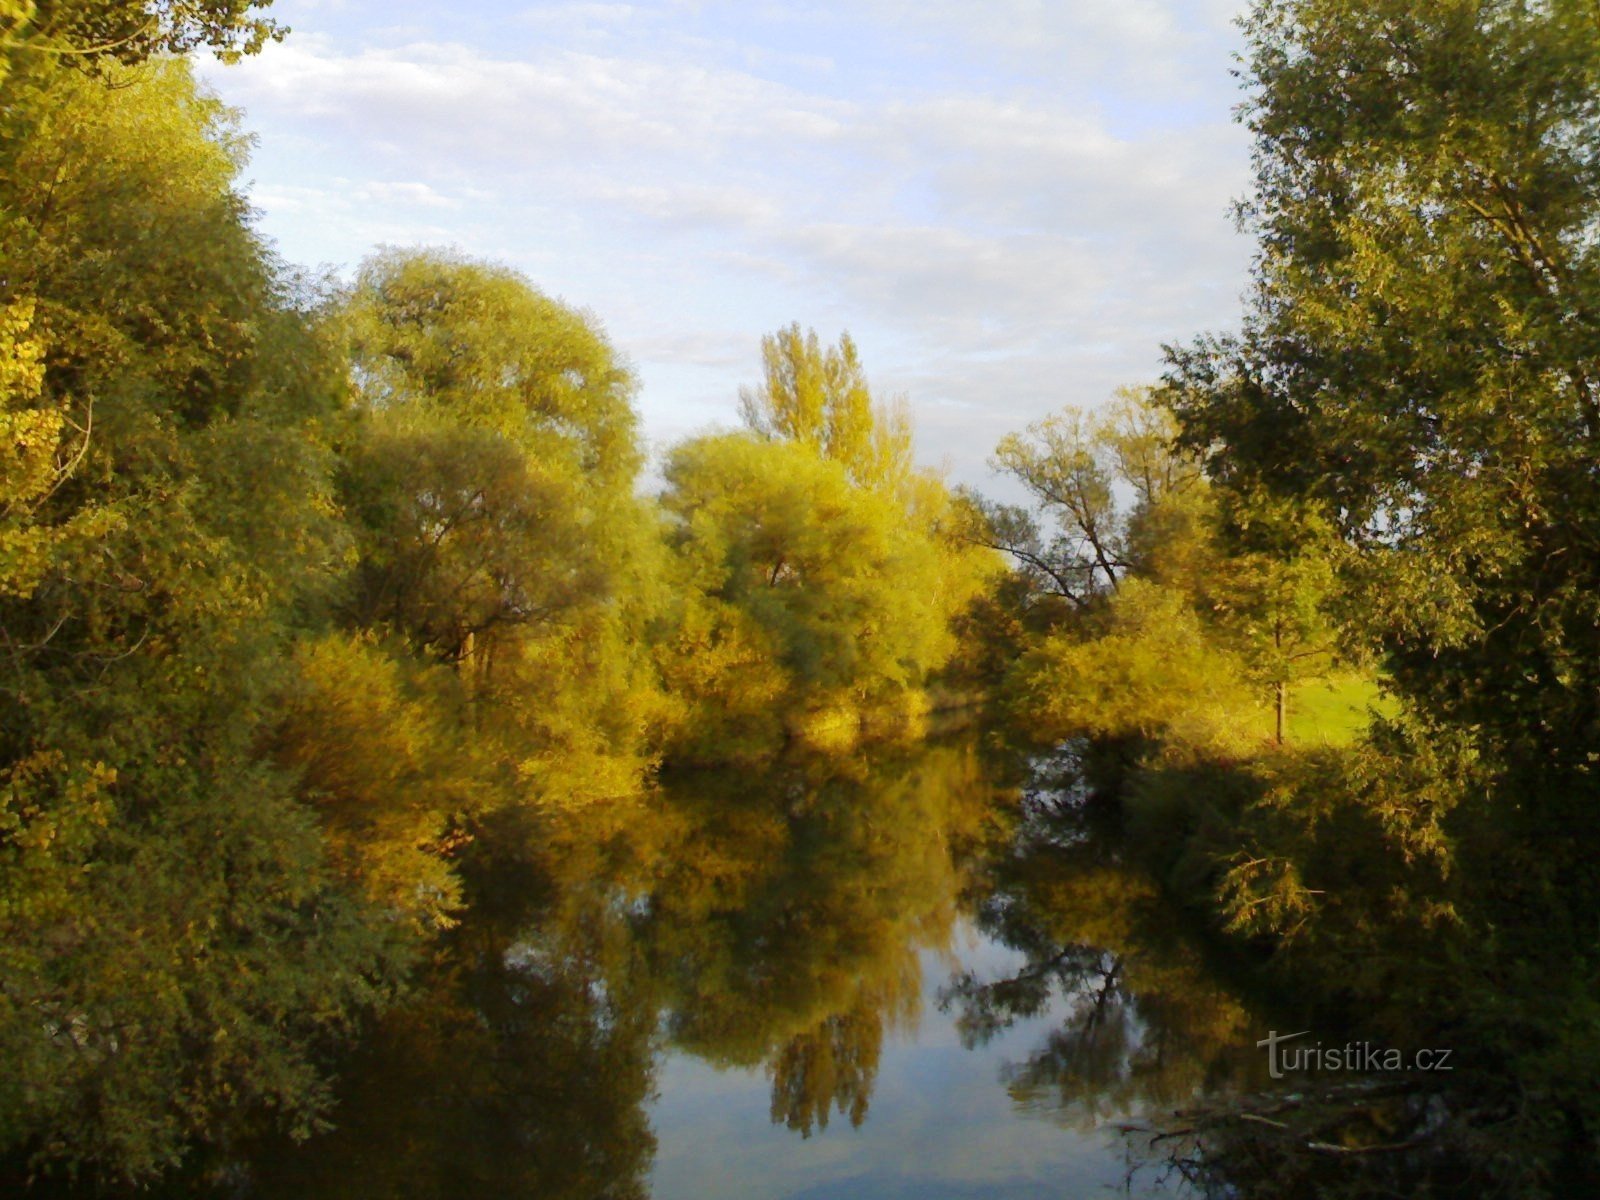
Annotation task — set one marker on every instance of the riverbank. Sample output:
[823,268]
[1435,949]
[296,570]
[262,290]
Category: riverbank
[1347,910]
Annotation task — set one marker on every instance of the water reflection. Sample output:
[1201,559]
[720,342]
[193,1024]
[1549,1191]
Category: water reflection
[521,1069]
[1143,1017]
[788,918]
[634,981]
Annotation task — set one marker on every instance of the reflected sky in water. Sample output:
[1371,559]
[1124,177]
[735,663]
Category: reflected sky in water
[929,976]
[1062,1000]
[940,1125]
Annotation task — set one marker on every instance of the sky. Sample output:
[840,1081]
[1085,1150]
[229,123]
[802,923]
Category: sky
[1009,204]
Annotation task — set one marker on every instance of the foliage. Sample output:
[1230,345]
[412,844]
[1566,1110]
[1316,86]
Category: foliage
[434,333]
[1148,670]
[1185,613]
[41,33]
[820,399]
[808,588]
[1072,464]
[328,611]
[371,751]
[1416,374]
[488,476]
[1416,361]
[314,598]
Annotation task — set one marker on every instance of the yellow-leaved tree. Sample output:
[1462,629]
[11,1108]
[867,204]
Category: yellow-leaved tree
[822,569]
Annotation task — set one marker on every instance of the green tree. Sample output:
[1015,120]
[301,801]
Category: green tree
[175,944]
[820,398]
[488,473]
[44,33]
[793,565]
[1081,537]
[819,574]
[1271,592]
[433,333]
[491,474]
[1145,670]
[1417,361]
[1417,368]
[1184,601]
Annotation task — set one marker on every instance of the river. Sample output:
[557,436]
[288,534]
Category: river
[934,975]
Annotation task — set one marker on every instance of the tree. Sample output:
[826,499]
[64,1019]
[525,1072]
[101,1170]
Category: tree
[45,33]
[175,945]
[819,572]
[1145,669]
[1273,608]
[491,474]
[42,448]
[1418,367]
[464,539]
[434,333]
[488,474]
[1418,358]
[819,398]
[1184,599]
[1271,591]
[1073,464]
[851,602]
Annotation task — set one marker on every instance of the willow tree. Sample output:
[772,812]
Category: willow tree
[489,480]
[837,602]
[821,570]
[1183,601]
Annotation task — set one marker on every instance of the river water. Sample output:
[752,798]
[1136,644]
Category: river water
[941,1121]
[931,976]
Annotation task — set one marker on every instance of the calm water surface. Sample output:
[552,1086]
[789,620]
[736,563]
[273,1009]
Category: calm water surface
[941,1122]
[926,977]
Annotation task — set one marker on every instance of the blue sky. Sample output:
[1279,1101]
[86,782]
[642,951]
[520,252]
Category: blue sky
[1009,204]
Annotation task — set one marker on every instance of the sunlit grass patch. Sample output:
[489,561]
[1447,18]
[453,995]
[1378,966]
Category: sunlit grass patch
[1337,710]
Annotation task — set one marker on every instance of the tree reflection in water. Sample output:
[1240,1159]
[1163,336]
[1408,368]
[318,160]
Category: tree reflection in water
[1147,1022]
[788,920]
[521,1068]
[752,919]
[773,920]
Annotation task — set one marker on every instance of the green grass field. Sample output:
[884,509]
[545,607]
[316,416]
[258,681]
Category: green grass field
[1335,711]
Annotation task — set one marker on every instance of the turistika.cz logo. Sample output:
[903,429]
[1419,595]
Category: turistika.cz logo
[1351,1056]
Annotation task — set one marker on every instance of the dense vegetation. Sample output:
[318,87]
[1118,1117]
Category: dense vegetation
[307,589]
[324,605]
[1384,482]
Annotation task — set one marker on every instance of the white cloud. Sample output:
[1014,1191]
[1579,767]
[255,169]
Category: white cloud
[1148,44]
[402,194]
[451,101]
[1000,246]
